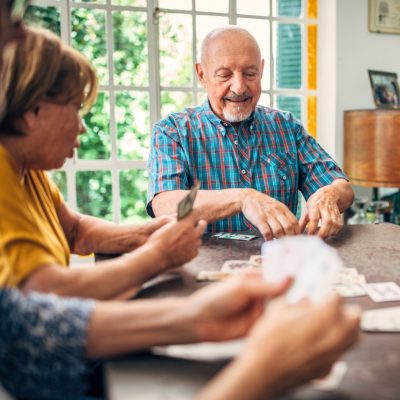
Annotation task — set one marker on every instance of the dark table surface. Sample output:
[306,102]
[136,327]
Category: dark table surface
[373,366]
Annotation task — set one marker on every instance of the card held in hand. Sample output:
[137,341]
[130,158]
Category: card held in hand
[185,206]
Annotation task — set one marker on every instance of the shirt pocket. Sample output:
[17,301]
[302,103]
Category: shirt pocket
[280,170]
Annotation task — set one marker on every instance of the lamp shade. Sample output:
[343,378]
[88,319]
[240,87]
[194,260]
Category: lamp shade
[372,147]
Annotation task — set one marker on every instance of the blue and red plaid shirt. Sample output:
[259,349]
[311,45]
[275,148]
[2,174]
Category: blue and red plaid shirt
[270,152]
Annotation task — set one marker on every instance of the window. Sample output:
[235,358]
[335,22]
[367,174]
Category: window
[144,54]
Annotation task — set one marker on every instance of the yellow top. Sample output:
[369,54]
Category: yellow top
[30,232]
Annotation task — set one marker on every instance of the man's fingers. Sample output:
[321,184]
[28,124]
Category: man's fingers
[304,221]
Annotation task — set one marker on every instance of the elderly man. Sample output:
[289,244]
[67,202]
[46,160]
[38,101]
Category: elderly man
[251,161]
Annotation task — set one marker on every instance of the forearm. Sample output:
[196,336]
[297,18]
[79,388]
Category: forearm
[212,204]
[118,278]
[120,327]
[94,235]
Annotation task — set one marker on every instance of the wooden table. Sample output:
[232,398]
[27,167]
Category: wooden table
[373,366]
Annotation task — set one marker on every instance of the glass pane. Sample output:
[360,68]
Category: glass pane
[95,143]
[288,56]
[252,7]
[133,3]
[46,17]
[220,6]
[94,193]
[312,115]
[130,48]
[288,8]
[174,102]
[260,30]
[176,61]
[90,1]
[204,25]
[289,103]
[265,100]
[133,125]
[133,190]
[89,37]
[60,179]
[312,57]
[175,4]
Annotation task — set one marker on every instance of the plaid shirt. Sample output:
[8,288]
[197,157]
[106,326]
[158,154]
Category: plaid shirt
[270,152]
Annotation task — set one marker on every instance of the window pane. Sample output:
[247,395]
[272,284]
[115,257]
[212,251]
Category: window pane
[252,7]
[134,3]
[133,190]
[220,6]
[130,48]
[175,4]
[288,8]
[290,103]
[288,56]
[95,143]
[60,179]
[174,102]
[176,61]
[260,30]
[265,100]
[46,17]
[94,193]
[133,125]
[204,25]
[89,37]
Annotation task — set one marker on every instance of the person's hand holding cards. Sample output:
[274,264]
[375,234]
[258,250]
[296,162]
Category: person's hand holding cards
[179,241]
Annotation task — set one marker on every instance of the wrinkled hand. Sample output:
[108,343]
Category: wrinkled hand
[143,231]
[304,340]
[322,206]
[227,310]
[179,241]
[271,217]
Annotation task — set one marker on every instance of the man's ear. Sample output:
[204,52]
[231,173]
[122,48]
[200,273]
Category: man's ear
[200,74]
[31,118]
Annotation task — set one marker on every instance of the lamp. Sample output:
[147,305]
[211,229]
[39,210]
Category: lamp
[372,148]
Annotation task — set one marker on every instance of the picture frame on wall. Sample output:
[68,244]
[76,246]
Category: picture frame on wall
[384,16]
[385,89]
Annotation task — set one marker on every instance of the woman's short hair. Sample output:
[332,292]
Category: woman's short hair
[42,67]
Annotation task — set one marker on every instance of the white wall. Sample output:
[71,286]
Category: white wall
[346,51]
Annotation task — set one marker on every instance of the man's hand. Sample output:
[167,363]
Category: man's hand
[142,232]
[179,241]
[323,206]
[229,309]
[271,217]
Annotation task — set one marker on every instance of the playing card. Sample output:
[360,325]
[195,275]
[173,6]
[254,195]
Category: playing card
[212,275]
[185,206]
[347,276]
[308,259]
[384,291]
[256,260]
[349,290]
[381,320]
[236,265]
[234,236]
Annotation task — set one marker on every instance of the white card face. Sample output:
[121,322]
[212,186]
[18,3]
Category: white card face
[350,290]
[381,320]
[384,291]
[308,259]
[236,265]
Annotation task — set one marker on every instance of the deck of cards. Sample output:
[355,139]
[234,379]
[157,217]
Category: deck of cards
[381,320]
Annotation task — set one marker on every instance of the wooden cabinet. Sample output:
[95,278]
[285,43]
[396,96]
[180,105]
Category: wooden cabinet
[372,147]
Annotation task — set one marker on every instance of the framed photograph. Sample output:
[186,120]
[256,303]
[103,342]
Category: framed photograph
[384,16]
[385,89]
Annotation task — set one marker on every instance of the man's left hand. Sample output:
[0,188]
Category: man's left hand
[323,208]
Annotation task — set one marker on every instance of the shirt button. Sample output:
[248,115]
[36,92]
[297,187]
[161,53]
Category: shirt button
[235,142]
[268,160]
[284,177]
[243,171]
[251,127]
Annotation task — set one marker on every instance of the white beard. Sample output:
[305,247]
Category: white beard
[237,117]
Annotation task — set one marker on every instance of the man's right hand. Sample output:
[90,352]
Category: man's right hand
[179,241]
[271,217]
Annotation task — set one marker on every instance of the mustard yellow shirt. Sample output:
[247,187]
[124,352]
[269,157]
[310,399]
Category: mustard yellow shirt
[30,232]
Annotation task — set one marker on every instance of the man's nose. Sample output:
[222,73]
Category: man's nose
[238,84]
